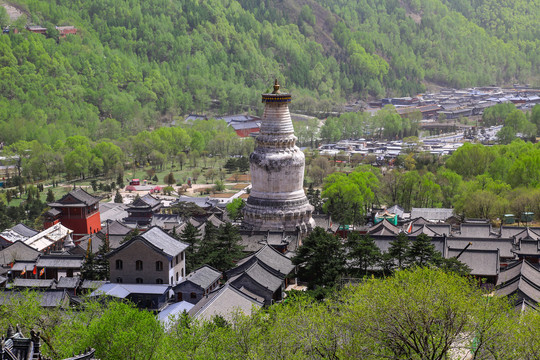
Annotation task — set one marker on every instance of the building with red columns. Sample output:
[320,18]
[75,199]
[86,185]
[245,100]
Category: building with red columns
[78,211]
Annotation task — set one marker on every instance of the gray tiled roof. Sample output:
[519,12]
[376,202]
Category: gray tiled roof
[261,276]
[115,227]
[95,243]
[163,241]
[214,220]
[172,311]
[519,268]
[481,262]
[68,282]
[271,258]
[527,247]
[322,221]
[426,230]
[201,202]
[60,261]
[504,245]
[82,196]
[31,283]
[476,231]
[204,276]
[112,211]
[440,229]
[396,209]
[520,279]
[123,290]
[432,214]
[527,234]
[49,298]
[384,228]
[510,231]
[245,125]
[224,302]
[23,265]
[92,284]
[53,212]
[148,200]
[166,221]
[24,230]
[18,251]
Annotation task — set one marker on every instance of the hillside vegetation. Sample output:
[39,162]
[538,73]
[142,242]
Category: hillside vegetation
[135,64]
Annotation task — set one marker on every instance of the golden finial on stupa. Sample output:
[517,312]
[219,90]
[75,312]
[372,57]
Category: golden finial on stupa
[276,88]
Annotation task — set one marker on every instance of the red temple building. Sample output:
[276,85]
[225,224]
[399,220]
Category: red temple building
[78,211]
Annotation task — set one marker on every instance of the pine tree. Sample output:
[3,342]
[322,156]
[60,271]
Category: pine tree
[118,198]
[228,244]
[102,269]
[207,246]
[50,196]
[399,248]
[220,247]
[88,269]
[422,252]
[321,259]
[191,235]
[363,251]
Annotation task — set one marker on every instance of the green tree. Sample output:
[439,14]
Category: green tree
[420,314]
[169,179]
[349,196]
[4,18]
[320,259]
[219,185]
[234,209]
[182,159]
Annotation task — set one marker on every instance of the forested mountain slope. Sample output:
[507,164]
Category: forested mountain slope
[135,63]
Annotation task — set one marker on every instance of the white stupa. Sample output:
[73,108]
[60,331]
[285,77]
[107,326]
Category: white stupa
[277,201]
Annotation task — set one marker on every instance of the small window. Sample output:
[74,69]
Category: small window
[119,280]
[119,264]
[159,266]
[182,256]
[139,280]
[176,276]
[193,295]
[159,281]
[182,272]
[138,265]
[177,259]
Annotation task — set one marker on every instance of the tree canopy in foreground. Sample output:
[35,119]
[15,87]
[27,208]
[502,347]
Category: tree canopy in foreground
[415,314]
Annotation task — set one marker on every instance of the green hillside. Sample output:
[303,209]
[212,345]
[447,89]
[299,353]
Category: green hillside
[137,63]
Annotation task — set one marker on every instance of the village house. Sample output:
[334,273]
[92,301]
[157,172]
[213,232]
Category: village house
[197,284]
[153,257]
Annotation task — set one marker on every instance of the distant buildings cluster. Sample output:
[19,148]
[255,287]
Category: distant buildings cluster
[453,104]
[63,31]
